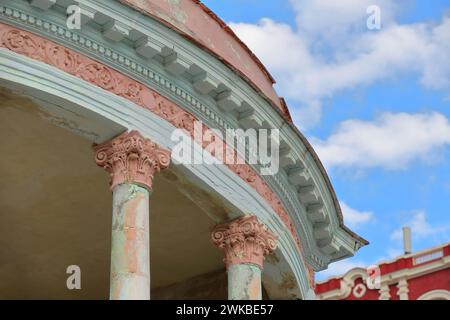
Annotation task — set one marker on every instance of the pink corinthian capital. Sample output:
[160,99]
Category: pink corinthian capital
[131,158]
[244,240]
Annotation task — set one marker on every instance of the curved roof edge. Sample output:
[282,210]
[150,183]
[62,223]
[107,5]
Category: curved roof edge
[314,155]
[214,36]
[200,25]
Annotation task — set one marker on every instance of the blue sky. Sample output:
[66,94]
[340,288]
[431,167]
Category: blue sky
[374,103]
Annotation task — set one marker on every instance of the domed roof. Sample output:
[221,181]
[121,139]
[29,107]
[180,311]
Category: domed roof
[193,20]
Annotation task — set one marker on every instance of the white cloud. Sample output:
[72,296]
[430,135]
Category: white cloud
[420,227]
[354,218]
[393,253]
[422,232]
[330,20]
[339,268]
[437,67]
[391,141]
[331,50]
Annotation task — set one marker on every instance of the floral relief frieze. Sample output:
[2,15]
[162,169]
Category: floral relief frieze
[67,60]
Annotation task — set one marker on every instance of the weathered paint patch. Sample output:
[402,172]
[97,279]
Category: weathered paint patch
[130,269]
[244,282]
[254,288]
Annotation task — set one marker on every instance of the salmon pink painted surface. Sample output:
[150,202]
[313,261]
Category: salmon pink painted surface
[131,158]
[244,240]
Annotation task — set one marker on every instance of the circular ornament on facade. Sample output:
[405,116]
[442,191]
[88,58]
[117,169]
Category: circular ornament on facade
[359,290]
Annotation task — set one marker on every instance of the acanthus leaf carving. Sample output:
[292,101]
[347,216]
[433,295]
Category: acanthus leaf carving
[244,240]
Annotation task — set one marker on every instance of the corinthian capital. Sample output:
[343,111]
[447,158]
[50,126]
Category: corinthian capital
[131,158]
[244,240]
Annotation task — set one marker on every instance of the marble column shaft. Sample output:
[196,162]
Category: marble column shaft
[131,160]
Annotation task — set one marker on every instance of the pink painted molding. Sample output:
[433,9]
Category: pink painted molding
[36,47]
[131,158]
[244,240]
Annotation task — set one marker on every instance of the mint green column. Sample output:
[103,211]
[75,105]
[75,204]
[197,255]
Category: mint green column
[130,245]
[244,282]
[131,161]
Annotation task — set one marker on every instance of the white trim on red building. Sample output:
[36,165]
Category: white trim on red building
[423,275]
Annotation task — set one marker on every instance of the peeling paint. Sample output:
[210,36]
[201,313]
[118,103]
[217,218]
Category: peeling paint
[272,258]
[130,269]
[254,288]
[244,282]
[177,11]
[184,17]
